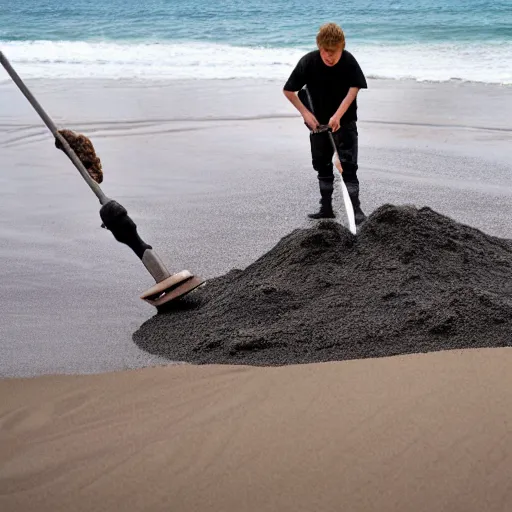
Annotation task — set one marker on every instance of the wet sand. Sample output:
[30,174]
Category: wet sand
[214,173]
[416,433]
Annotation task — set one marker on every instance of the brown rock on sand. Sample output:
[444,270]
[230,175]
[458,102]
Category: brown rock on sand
[84,149]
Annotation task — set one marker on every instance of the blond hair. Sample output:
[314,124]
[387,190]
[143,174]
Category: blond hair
[330,37]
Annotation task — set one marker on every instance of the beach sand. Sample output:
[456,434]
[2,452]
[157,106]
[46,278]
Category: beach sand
[414,433]
[214,173]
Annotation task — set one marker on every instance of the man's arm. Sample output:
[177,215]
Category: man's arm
[308,117]
[296,82]
[334,122]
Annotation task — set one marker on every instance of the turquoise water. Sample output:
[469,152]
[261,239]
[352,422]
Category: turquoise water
[421,39]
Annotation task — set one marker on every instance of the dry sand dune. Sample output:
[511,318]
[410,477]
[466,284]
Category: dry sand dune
[410,433]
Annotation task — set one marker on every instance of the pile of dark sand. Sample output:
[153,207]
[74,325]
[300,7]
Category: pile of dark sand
[412,281]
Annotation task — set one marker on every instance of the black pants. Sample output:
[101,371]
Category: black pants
[322,152]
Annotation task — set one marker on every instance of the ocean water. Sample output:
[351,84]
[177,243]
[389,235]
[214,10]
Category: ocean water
[435,40]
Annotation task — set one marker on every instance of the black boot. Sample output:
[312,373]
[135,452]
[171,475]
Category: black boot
[325,212]
[326,189]
[353,192]
[359,215]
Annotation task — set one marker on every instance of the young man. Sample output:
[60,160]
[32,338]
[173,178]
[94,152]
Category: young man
[333,78]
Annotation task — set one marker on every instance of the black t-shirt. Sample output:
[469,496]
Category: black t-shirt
[327,85]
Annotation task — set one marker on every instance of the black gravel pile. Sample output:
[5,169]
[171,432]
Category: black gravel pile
[411,281]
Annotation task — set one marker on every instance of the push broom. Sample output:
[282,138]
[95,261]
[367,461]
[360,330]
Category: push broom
[115,218]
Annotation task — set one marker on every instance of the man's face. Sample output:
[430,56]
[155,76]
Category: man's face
[331,56]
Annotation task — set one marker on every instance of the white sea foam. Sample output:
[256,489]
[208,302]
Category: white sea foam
[490,63]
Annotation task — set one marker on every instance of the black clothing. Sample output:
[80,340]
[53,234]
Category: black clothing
[346,144]
[324,213]
[322,152]
[328,85]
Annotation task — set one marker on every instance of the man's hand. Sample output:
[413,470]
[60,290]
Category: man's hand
[334,123]
[310,120]
[308,116]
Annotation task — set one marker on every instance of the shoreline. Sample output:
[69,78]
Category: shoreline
[159,81]
[449,102]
